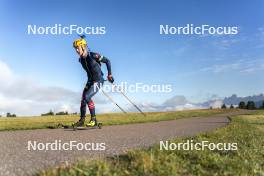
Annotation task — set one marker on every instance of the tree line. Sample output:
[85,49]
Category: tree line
[51,113]
[251,105]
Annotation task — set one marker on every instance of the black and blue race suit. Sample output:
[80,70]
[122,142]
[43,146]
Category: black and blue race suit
[92,65]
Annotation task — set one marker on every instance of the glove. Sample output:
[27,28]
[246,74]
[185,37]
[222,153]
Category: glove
[110,78]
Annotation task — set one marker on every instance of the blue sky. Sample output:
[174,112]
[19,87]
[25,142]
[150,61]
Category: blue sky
[198,67]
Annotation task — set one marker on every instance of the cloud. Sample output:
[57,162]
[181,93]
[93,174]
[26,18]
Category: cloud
[177,102]
[214,103]
[5,74]
[242,66]
[260,31]
[24,96]
[221,68]
[226,43]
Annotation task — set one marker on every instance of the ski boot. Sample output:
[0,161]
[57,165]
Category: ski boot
[92,123]
[80,123]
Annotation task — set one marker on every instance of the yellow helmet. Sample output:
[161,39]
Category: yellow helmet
[80,42]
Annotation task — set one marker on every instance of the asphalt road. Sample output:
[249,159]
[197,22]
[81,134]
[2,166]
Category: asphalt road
[16,159]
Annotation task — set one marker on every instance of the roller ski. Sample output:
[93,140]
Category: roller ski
[80,125]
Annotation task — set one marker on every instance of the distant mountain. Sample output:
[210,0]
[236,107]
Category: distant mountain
[234,99]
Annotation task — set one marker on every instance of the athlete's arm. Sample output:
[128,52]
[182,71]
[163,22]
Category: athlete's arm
[105,60]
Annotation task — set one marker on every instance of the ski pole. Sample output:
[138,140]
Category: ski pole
[130,100]
[113,101]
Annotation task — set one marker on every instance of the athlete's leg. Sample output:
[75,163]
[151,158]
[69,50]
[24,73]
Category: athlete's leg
[83,104]
[82,110]
[88,97]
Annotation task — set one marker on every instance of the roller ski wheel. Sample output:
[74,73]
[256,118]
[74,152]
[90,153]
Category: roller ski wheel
[100,125]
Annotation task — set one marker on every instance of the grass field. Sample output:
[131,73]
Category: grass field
[23,123]
[245,130]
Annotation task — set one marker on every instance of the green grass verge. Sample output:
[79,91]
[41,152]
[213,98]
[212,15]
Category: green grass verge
[245,130]
[23,123]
